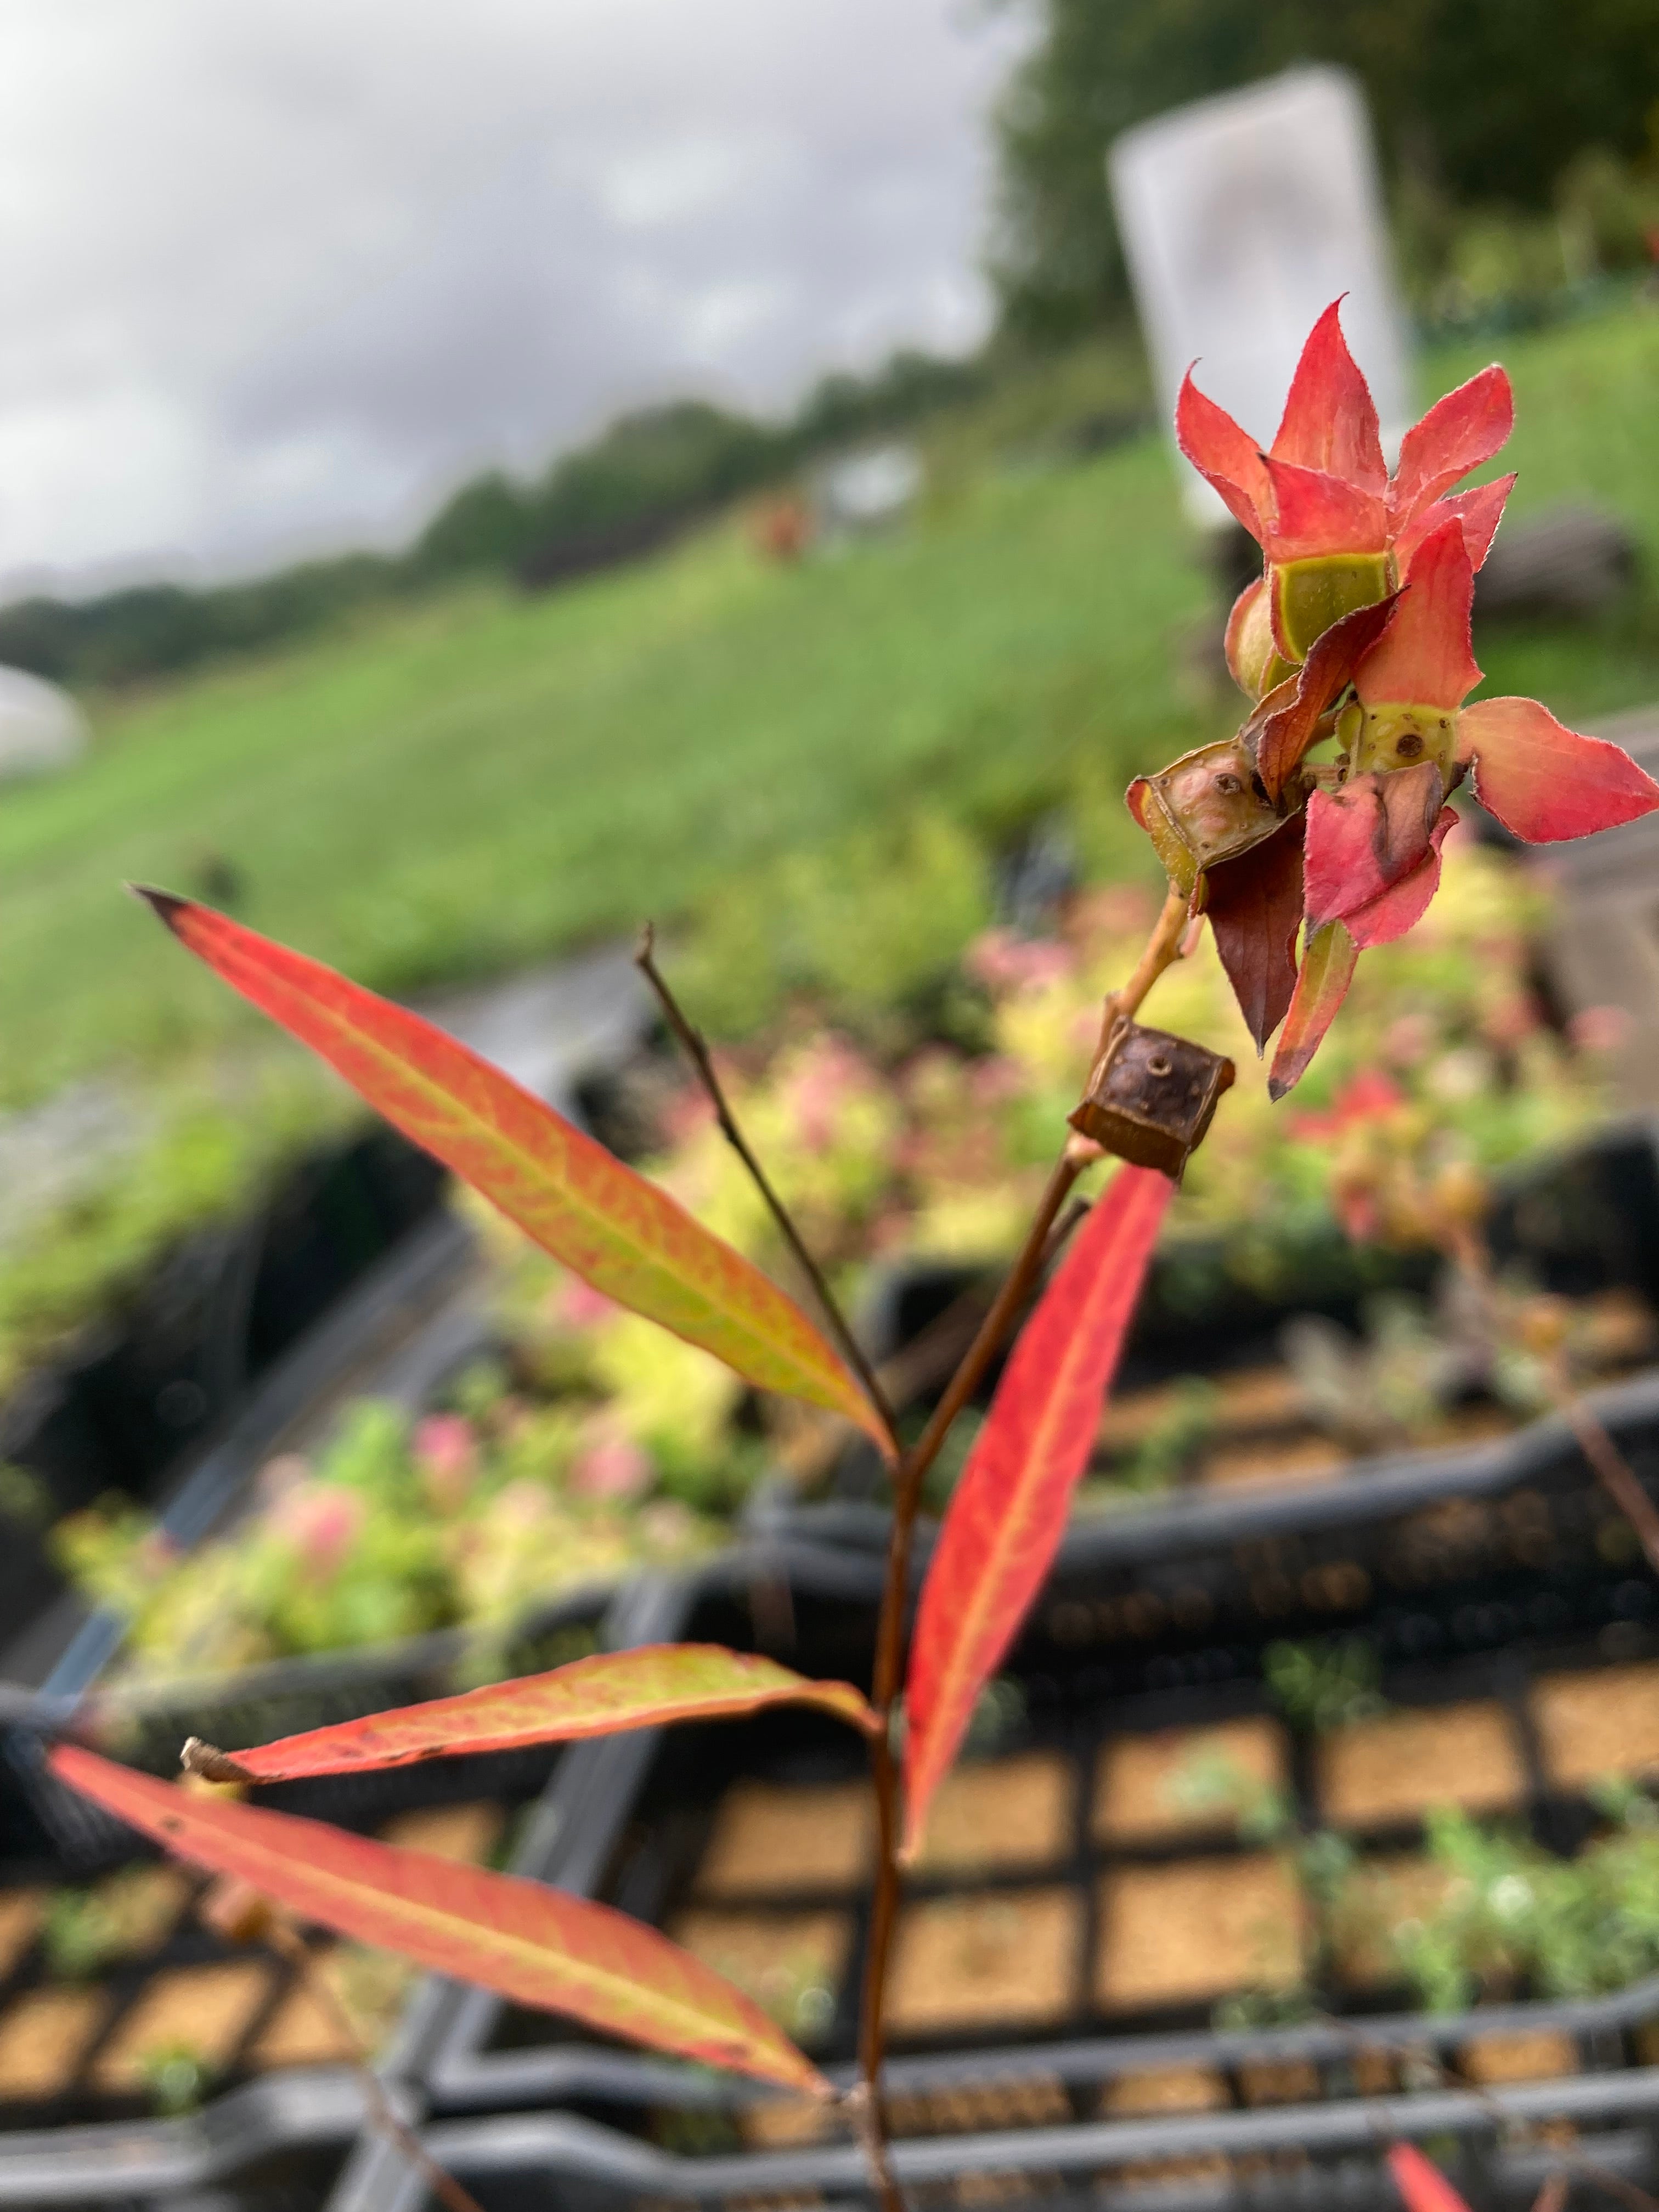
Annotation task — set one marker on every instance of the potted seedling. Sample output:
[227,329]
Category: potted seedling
[1356,633]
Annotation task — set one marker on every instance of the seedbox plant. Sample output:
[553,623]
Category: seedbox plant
[1356,638]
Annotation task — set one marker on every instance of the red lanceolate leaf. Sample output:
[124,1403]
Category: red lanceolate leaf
[1329,956]
[1544,781]
[1286,723]
[1330,418]
[1315,513]
[1459,432]
[1255,906]
[1007,1513]
[1424,657]
[1404,904]
[1422,2185]
[1479,511]
[536,1945]
[1224,456]
[1367,834]
[621,1233]
[605,1695]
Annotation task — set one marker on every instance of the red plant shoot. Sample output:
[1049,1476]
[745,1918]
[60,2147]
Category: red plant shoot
[1357,632]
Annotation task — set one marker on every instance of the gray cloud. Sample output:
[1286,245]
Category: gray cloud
[277,273]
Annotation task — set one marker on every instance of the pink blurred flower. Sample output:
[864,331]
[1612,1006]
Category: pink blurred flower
[1369,1097]
[687,1114]
[1004,963]
[446,1453]
[1409,1041]
[1599,1029]
[994,1081]
[1511,1020]
[286,1472]
[613,1467]
[574,1304]
[820,1085]
[321,1521]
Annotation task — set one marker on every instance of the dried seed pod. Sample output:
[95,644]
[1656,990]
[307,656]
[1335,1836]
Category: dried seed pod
[1205,807]
[1151,1096]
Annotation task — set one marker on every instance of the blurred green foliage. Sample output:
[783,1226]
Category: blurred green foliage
[645,475]
[1489,100]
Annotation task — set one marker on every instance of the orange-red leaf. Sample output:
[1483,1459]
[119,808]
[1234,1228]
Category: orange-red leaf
[1457,435]
[611,1692]
[1544,782]
[1008,1511]
[1225,456]
[1366,836]
[1421,2183]
[1329,958]
[609,1225]
[1315,514]
[1330,418]
[538,1946]
[1255,910]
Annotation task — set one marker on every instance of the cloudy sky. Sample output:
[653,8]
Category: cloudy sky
[278,272]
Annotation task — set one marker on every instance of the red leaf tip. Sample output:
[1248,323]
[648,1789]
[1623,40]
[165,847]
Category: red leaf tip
[164,905]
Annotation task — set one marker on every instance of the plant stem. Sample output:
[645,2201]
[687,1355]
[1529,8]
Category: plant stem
[1163,949]
[1468,1249]
[890,1641]
[289,1944]
[1044,1236]
[695,1047]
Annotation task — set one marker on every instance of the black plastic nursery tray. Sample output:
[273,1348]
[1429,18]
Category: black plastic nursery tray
[1075,1920]
[84,2041]
[1587,1227]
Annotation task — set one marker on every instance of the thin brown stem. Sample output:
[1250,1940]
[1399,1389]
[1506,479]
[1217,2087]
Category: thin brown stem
[890,1636]
[288,1943]
[1367,2040]
[1468,1249]
[1162,950]
[695,1047]
[1610,1467]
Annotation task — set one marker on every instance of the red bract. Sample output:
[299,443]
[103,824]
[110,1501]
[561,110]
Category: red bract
[1337,531]
[1371,859]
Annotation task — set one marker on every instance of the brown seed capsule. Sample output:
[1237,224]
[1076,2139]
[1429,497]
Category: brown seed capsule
[1206,806]
[1151,1096]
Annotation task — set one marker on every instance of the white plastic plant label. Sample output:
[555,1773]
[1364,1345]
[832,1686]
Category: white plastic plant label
[1242,217]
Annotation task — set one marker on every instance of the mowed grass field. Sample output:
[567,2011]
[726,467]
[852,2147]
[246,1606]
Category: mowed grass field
[455,788]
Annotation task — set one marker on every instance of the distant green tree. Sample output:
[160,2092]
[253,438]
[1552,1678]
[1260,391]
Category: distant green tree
[1480,99]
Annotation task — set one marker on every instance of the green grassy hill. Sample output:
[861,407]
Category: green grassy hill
[449,791]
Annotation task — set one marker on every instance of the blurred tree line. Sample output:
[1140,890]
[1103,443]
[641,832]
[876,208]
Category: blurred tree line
[1489,104]
[648,476]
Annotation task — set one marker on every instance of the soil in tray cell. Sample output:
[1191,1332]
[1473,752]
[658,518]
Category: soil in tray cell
[1182,1935]
[964,1962]
[21,1912]
[369,1986]
[1008,1813]
[468,1832]
[1184,1782]
[771,1838]
[1294,1459]
[1542,2055]
[790,1963]
[1605,1721]
[44,2037]
[1164,2089]
[1400,1766]
[1381,1897]
[205,2011]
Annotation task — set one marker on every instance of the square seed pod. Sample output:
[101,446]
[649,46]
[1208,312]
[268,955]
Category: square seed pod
[1151,1096]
